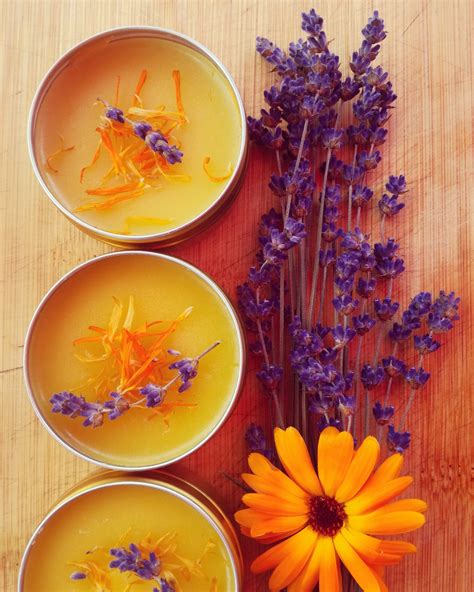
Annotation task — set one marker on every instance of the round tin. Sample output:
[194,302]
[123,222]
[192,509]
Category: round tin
[161,481]
[231,399]
[169,237]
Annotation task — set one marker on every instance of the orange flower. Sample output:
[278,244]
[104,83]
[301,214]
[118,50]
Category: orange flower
[330,516]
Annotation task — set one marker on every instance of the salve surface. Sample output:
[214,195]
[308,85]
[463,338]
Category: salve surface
[162,289]
[117,516]
[214,130]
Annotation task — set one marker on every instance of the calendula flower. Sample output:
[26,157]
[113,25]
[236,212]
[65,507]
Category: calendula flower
[322,518]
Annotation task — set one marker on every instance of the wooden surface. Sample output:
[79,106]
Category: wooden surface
[429,55]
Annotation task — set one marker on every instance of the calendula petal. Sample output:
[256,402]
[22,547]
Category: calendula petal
[359,570]
[290,567]
[410,504]
[267,485]
[335,452]
[294,456]
[380,522]
[399,547]
[273,556]
[277,525]
[270,504]
[364,502]
[329,571]
[262,467]
[361,468]
[309,576]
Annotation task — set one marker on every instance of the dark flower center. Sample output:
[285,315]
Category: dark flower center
[326,515]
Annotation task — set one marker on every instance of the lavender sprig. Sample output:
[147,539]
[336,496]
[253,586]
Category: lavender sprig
[73,406]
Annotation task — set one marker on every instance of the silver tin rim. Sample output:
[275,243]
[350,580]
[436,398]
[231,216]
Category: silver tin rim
[232,400]
[173,235]
[161,486]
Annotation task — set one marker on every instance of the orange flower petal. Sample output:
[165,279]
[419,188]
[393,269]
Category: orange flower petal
[399,547]
[361,468]
[270,504]
[381,522]
[265,485]
[364,502]
[275,555]
[294,456]
[388,470]
[410,504]
[359,570]
[291,566]
[278,525]
[335,452]
[262,467]
[309,576]
[329,571]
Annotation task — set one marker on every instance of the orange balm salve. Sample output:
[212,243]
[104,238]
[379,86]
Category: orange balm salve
[79,536]
[161,289]
[210,128]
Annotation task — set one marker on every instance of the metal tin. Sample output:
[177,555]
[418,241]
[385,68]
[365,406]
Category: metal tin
[239,335]
[169,237]
[161,481]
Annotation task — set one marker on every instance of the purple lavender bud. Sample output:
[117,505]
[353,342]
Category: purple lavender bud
[336,168]
[363,324]
[327,257]
[374,29]
[410,320]
[349,89]
[354,240]
[270,377]
[154,394]
[389,206]
[399,333]
[416,377]
[271,118]
[361,195]
[325,423]
[78,575]
[330,232]
[382,414]
[396,185]
[346,405]
[94,414]
[426,344]
[141,129]
[332,139]
[371,376]
[187,369]
[345,304]
[342,336]
[256,129]
[116,406]
[366,288]
[347,264]
[165,586]
[311,23]
[390,268]
[333,195]
[393,366]
[320,404]
[376,77]
[294,231]
[269,51]
[67,404]
[444,312]
[366,161]
[343,286]
[115,114]
[397,441]
[328,355]
[352,174]
[256,441]
[385,309]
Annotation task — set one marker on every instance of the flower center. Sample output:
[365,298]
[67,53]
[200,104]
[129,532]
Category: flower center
[326,515]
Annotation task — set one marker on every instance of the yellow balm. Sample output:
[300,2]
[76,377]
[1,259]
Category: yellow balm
[94,139]
[112,354]
[188,547]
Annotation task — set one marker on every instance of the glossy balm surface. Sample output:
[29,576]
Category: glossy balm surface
[116,516]
[162,289]
[70,111]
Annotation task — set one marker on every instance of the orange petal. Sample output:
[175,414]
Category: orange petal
[278,525]
[398,547]
[263,485]
[335,452]
[292,564]
[367,548]
[364,502]
[360,470]
[380,522]
[329,571]
[410,504]
[359,570]
[262,467]
[274,505]
[294,456]
[309,576]
[275,555]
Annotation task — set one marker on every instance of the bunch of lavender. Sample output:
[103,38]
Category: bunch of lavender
[154,139]
[134,562]
[312,248]
[117,404]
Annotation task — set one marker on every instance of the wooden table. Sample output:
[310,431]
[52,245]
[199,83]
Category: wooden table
[429,56]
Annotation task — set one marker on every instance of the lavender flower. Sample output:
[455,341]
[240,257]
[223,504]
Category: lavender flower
[416,377]
[371,376]
[67,404]
[256,441]
[270,376]
[116,406]
[158,143]
[154,394]
[363,324]
[133,561]
[383,414]
[187,369]
[393,366]
[385,309]
[115,114]
[78,575]
[426,344]
[397,441]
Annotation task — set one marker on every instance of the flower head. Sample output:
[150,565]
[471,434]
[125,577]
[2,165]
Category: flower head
[397,441]
[319,518]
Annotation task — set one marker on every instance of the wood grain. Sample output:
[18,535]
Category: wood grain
[429,55]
